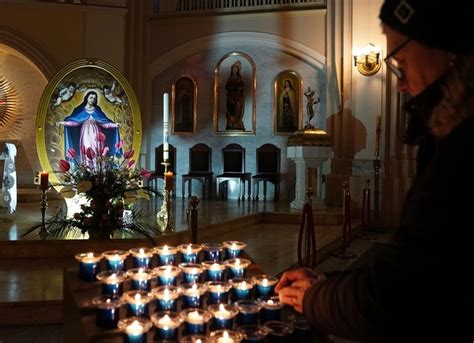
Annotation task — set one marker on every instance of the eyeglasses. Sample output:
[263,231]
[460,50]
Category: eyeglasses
[392,63]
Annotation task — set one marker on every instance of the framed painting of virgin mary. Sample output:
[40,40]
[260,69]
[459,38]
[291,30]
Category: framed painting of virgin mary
[287,103]
[84,98]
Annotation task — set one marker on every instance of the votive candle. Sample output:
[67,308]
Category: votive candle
[112,282]
[141,257]
[253,333]
[265,284]
[189,252]
[137,303]
[215,270]
[167,274]
[271,309]
[195,320]
[225,336]
[135,329]
[224,315]
[166,297]
[242,288]
[167,323]
[89,265]
[195,339]
[218,292]
[233,248]
[193,294]
[237,266]
[212,251]
[166,254]
[248,311]
[141,278]
[191,272]
[115,259]
[108,310]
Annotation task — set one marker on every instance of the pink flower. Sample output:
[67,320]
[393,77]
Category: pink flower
[71,153]
[101,137]
[131,164]
[104,151]
[119,144]
[90,153]
[145,173]
[128,154]
[64,166]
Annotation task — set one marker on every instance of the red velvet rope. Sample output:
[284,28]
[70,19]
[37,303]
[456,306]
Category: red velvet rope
[307,234]
[346,226]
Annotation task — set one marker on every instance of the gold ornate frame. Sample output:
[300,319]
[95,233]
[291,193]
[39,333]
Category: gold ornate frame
[174,103]
[217,113]
[297,83]
[88,74]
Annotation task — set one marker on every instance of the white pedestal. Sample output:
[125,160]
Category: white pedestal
[306,157]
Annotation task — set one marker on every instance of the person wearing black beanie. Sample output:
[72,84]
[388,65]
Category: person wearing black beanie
[419,287]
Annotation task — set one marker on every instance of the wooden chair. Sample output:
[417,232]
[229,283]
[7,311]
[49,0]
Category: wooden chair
[200,168]
[268,170]
[159,171]
[233,158]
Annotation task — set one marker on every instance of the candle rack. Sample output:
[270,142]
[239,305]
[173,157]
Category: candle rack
[163,217]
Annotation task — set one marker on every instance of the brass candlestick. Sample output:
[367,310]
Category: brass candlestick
[163,217]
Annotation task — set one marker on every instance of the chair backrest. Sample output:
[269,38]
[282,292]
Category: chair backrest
[268,159]
[159,168]
[200,158]
[233,157]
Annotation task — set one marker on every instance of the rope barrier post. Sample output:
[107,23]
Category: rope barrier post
[307,236]
[192,217]
[365,233]
[344,253]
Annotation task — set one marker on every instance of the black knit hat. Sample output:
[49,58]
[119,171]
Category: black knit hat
[446,25]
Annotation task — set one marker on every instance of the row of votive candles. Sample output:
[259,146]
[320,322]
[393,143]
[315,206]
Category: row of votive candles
[217,256]
[250,317]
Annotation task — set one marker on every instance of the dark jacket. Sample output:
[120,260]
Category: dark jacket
[418,288]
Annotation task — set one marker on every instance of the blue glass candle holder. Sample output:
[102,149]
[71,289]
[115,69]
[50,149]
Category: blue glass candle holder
[167,275]
[237,266]
[167,323]
[195,320]
[141,257]
[135,329]
[191,272]
[89,265]
[213,251]
[280,332]
[248,311]
[271,309]
[193,295]
[166,255]
[108,311]
[166,297]
[189,252]
[141,278]
[265,285]
[112,282]
[302,331]
[218,292]
[214,270]
[115,259]
[137,303]
[242,288]
[223,316]
[233,249]
[253,333]
[225,336]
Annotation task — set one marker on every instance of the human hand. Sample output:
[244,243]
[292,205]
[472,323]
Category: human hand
[294,275]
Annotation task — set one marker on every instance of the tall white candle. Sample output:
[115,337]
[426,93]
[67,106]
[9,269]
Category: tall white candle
[166,116]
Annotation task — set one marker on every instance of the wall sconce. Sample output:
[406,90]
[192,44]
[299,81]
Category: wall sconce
[367,59]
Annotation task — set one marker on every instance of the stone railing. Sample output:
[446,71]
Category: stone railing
[192,7]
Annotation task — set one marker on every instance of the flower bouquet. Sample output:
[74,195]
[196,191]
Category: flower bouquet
[111,186]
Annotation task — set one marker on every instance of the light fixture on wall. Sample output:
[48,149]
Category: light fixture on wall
[367,59]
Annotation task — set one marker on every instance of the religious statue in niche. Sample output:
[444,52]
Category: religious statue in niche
[311,101]
[287,103]
[235,98]
[184,98]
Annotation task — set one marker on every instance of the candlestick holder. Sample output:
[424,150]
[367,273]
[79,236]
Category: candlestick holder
[163,217]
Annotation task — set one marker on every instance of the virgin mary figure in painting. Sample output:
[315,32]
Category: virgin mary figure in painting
[288,118]
[235,99]
[82,128]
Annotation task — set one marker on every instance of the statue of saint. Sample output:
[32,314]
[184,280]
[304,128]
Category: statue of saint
[235,99]
[311,101]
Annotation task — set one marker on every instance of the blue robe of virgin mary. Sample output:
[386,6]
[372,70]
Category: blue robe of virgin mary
[72,134]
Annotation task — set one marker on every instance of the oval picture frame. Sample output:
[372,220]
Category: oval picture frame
[66,91]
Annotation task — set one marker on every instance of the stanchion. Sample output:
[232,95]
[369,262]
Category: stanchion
[376,165]
[192,217]
[307,235]
[163,217]
[345,253]
[365,233]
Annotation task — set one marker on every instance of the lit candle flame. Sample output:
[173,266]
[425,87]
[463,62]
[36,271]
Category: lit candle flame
[265,282]
[168,271]
[165,249]
[136,328]
[237,261]
[216,267]
[189,249]
[90,254]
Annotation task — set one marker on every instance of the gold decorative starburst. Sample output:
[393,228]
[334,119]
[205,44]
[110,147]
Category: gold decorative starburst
[11,111]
